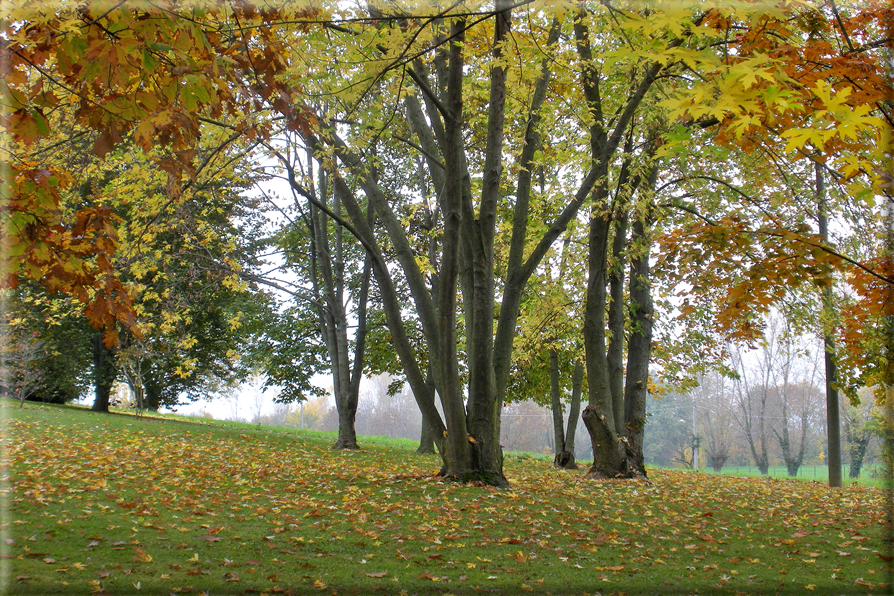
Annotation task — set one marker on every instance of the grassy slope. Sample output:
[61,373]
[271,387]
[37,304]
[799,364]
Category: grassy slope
[119,505]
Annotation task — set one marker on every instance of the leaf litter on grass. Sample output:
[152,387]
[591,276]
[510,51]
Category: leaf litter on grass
[104,504]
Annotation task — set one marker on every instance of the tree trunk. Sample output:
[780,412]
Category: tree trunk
[564,457]
[429,427]
[470,449]
[857,451]
[615,355]
[104,374]
[426,439]
[555,399]
[609,455]
[329,286]
[577,382]
[833,415]
[639,345]
[151,392]
[717,462]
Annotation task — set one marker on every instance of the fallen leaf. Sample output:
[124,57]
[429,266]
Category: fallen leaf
[379,574]
[142,556]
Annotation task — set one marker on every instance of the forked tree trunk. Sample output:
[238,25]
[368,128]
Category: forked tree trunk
[470,449]
[609,455]
[563,455]
[328,273]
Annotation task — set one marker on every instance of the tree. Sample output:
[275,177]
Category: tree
[481,101]
[830,109]
[21,351]
[470,448]
[153,72]
[754,403]
[858,429]
[315,243]
[54,321]
[547,351]
[717,416]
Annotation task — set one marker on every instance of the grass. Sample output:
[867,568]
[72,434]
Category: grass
[870,475]
[115,504]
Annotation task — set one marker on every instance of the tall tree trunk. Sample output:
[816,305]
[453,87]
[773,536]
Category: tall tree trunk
[833,415]
[471,449]
[104,373]
[555,398]
[328,272]
[609,456]
[615,354]
[857,444]
[460,459]
[639,346]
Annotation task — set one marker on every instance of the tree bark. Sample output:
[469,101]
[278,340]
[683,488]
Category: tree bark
[104,374]
[577,382]
[615,355]
[429,427]
[833,415]
[563,457]
[151,392]
[639,346]
[609,456]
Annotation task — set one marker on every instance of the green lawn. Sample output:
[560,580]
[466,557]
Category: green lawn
[115,504]
[870,475]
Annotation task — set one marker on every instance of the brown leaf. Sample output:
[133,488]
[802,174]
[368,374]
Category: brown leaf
[379,574]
